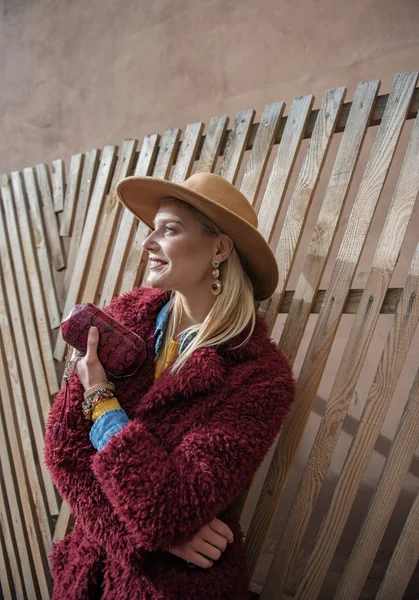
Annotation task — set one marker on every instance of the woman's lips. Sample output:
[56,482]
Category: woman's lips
[156,264]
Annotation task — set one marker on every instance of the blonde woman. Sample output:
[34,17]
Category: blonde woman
[151,475]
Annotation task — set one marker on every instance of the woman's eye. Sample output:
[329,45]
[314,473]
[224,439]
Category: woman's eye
[167,228]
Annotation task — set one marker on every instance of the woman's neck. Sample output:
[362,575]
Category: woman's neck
[194,310]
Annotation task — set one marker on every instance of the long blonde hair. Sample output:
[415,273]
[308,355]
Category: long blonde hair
[233,309]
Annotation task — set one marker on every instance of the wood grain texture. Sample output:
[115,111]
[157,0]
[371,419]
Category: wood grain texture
[78,277]
[110,216]
[56,249]
[302,197]
[306,290]
[283,165]
[187,152]
[212,145]
[404,560]
[236,145]
[90,166]
[27,275]
[71,194]
[128,227]
[374,413]
[58,184]
[384,499]
[261,151]
[39,239]
[328,321]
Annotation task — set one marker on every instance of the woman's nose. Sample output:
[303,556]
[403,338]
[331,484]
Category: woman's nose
[150,243]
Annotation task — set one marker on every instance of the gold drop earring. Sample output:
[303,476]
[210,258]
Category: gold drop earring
[216,284]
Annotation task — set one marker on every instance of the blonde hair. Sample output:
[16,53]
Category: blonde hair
[233,309]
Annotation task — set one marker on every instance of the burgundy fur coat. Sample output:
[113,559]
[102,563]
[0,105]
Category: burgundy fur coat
[193,444]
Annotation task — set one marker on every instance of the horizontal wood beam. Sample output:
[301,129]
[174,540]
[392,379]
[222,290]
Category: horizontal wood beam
[389,306]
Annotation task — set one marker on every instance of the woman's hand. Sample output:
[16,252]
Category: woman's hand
[89,368]
[211,540]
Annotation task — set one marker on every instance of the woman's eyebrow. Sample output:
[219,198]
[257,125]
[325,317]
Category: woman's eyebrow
[165,220]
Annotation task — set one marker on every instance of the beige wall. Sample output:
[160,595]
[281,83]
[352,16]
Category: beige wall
[77,75]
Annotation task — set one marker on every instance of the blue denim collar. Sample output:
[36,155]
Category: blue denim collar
[161,324]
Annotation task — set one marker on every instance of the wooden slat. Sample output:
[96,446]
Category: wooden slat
[236,145]
[7,590]
[261,151]
[51,223]
[283,165]
[27,276]
[63,523]
[58,184]
[37,522]
[90,167]
[328,321]
[384,499]
[212,145]
[187,152]
[376,118]
[306,298]
[71,195]
[111,213]
[128,225]
[380,396]
[38,245]
[302,196]
[404,560]
[11,520]
[86,244]
[31,369]
[135,264]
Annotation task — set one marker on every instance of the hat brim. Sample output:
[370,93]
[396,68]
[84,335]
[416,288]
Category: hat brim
[142,196]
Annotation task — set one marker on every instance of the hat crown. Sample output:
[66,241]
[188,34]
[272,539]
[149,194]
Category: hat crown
[219,190]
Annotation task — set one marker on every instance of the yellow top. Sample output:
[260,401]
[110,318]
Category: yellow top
[105,405]
[172,352]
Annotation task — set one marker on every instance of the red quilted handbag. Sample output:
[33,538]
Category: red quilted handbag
[120,350]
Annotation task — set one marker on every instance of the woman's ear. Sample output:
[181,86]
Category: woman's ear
[224,247]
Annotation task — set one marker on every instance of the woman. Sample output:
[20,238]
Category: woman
[152,473]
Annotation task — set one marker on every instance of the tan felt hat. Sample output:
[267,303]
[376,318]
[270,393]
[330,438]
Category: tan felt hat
[223,204]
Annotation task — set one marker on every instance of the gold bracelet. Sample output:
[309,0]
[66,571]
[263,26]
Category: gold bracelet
[95,388]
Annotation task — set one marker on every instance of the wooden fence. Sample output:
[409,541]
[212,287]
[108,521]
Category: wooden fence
[64,238]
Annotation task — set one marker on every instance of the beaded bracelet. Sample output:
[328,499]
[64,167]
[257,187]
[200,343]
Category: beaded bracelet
[95,388]
[104,393]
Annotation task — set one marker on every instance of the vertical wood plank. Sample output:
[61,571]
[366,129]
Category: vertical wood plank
[302,197]
[27,275]
[283,165]
[38,245]
[212,145]
[136,262]
[58,184]
[187,152]
[341,395]
[86,244]
[261,150]
[328,219]
[11,530]
[51,223]
[37,521]
[236,145]
[71,195]
[384,499]
[404,560]
[128,226]
[90,167]
[111,213]
[29,361]
[329,317]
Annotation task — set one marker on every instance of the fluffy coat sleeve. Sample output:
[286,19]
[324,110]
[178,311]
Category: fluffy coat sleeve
[165,498]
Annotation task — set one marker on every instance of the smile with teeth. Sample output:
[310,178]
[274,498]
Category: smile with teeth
[155,263]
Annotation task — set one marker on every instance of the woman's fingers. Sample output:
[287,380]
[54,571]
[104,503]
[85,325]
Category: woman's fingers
[92,342]
[222,529]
